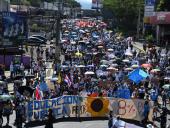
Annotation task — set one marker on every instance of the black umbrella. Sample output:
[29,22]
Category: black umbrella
[25,90]
[29,76]
[18,77]
[18,82]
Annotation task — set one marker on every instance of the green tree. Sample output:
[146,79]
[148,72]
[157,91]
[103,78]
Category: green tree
[163,5]
[125,13]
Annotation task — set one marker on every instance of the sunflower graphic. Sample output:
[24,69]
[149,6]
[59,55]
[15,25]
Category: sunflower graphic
[97,107]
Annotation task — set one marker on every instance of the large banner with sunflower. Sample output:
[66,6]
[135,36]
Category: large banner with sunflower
[75,106]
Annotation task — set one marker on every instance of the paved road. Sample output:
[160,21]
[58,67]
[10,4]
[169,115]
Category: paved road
[87,124]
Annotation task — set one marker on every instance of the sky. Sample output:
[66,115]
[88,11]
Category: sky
[85,4]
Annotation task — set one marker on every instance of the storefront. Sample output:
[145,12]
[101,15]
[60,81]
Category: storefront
[162,22]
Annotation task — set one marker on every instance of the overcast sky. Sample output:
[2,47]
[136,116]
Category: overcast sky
[85,4]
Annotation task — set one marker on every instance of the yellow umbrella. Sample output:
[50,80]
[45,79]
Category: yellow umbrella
[78,54]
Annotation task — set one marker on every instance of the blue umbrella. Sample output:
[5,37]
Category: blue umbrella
[43,86]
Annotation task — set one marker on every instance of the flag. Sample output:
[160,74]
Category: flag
[38,93]
[137,75]
[59,77]
[67,80]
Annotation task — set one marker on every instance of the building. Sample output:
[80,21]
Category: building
[161,21]
[66,10]
[4,5]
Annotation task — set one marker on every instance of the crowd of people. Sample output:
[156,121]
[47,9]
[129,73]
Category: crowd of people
[96,62]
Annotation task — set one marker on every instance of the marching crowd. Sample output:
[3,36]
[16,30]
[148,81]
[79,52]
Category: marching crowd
[96,62]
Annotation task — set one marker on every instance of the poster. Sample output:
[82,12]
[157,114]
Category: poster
[75,106]
[14,25]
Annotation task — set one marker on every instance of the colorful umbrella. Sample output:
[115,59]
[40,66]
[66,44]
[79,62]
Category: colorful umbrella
[146,65]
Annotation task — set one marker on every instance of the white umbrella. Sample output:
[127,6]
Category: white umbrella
[128,53]
[126,60]
[89,73]
[103,65]
[128,69]
[81,31]
[64,66]
[100,46]
[114,65]
[54,79]
[110,50]
[111,56]
[73,42]
[135,66]
[112,68]
[6,97]
[80,66]
[104,62]
[167,78]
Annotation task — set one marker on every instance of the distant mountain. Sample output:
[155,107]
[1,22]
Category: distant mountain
[86,4]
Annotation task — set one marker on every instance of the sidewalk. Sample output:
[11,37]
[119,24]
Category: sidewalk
[139,46]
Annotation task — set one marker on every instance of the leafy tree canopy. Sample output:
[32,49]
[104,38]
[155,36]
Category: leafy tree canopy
[163,5]
[125,13]
[37,3]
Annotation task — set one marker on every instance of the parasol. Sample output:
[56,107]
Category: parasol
[25,89]
[89,73]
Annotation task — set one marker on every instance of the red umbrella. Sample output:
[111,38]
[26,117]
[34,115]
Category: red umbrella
[146,65]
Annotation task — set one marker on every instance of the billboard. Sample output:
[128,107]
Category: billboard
[149,8]
[14,26]
[97,4]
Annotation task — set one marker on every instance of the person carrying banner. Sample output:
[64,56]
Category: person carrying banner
[146,112]
[110,122]
[50,119]
[7,110]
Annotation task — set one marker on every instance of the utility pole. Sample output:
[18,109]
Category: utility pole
[57,36]
[139,19]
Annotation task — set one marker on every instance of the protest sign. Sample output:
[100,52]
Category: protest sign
[75,106]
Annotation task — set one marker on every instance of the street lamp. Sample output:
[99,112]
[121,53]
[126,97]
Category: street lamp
[57,37]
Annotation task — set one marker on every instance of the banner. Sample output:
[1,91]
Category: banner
[75,106]
[14,25]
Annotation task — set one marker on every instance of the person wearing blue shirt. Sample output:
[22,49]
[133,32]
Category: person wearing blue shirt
[154,96]
[146,112]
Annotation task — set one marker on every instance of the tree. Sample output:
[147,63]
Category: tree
[125,13]
[163,5]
